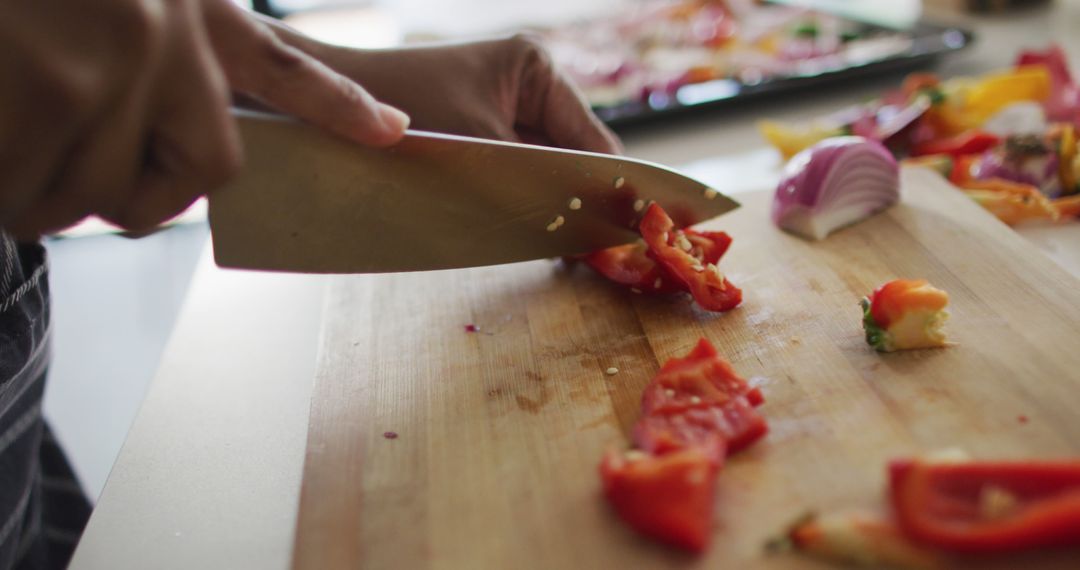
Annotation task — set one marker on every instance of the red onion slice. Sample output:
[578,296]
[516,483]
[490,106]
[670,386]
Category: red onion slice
[833,184]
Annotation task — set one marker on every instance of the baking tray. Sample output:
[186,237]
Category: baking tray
[895,50]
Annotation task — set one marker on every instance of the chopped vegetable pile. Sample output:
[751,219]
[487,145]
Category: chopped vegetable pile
[695,412]
[650,49]
[1007,139]
[669,260]
[905,314]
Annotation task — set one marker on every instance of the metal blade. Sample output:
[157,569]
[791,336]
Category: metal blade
[309,202]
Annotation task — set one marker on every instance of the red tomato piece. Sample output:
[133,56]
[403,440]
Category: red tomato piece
[667,497]
[691,257]
[630,265]
[988,506]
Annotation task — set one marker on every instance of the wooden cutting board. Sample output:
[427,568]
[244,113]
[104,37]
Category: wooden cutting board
[499,433]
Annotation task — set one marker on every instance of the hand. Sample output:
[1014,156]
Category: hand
[504,89]
[128,117]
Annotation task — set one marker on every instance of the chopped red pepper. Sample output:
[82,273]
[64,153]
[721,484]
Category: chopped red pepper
[691,257]
[669,261]
[894,299]
[961,171]
[668,497]
[968,142]
[700,378]
[695,397]
[736,423]
[630,265]
[981,507]
[696,410]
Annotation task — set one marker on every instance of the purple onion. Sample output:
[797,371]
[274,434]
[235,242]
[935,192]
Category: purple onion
[833,184]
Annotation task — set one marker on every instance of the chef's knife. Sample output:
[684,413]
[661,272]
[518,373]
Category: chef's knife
[309,202]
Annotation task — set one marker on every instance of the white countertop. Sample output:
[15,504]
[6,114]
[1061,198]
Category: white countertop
[209,476]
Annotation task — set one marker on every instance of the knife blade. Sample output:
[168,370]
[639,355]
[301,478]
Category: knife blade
[310,202]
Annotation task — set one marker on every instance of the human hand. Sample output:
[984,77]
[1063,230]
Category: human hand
[504,89]
[128,117]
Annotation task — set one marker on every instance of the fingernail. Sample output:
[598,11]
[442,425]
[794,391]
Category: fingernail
[394,119]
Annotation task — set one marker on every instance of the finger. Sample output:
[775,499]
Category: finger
[260,65]
[550,103]
[193,146]
[570,123]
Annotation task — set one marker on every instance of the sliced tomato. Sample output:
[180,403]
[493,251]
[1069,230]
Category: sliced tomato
[988,506]
[667,497]
[736,422]
[692,258]
[630,265]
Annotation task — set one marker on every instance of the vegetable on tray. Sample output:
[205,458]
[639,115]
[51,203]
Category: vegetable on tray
[694,412]
[833,184]
[905,314]
[1013,126]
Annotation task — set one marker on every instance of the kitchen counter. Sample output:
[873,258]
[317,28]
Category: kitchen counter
[209,476]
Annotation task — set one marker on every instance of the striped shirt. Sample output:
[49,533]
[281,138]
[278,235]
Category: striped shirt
[42,508]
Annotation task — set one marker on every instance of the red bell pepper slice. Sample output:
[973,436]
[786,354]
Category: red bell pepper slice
[969,142]
[699,379]
[737,423]
[695,408]
[892,300]
[982,507]
[961,171]
[691,257]
[631,265]
[695,397]
[667,497]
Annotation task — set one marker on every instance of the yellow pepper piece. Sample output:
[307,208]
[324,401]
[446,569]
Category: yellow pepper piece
[1066,158]
[970,102]
[1011,202]
[994,92]
[790,140]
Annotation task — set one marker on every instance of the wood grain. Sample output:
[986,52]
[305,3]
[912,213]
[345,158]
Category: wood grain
[500,432]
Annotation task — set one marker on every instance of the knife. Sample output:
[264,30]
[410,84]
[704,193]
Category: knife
[310,202]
